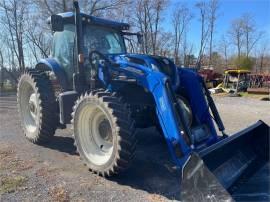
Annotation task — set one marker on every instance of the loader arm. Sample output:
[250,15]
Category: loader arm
[171,121]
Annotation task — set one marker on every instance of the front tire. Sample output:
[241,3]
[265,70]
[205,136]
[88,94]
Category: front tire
[104,132]
[37,106]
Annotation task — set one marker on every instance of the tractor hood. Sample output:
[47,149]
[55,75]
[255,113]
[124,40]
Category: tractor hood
[155,63]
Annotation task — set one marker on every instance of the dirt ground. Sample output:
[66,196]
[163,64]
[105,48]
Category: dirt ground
[54,172]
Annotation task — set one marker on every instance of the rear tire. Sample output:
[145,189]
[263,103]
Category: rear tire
[37,106]
[104,132]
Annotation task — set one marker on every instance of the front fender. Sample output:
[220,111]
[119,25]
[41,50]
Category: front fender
[52,65]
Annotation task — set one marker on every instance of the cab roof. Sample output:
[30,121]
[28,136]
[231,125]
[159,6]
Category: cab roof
[68,17]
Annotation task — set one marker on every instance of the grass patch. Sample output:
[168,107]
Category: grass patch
[59,194]
[11,183]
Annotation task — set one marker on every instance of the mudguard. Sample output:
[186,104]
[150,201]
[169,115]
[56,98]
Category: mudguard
[53,65]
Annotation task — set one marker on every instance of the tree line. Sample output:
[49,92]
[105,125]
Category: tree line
[25,36]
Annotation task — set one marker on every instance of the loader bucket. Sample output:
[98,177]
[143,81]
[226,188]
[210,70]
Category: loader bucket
[234,169]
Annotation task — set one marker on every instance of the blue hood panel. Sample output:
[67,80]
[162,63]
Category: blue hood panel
[155,63]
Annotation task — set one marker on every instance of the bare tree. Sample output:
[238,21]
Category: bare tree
[37,39]
[122,12]
[3,62]
[251,35]
[92,7]
[14,19]
[244,34]
[204,20]
[154,16]
[147,18]
[189,56]
[224,45]
[165,44]
[141,22]
[180,19]
[236,33]
[7,51]
[213,8]
[1,69]
[49,7]
[187,51]
[262,51]
[101,7]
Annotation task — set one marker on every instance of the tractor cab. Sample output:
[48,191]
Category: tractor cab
[104,36]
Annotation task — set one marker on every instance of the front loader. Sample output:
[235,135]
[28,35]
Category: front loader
[91,82]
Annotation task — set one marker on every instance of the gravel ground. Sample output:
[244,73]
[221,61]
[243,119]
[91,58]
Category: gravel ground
[240,112]
[54,172]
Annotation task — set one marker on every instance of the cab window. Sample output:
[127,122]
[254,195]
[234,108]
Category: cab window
[63,48]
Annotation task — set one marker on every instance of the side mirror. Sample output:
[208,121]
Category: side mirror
[139,37]
[57,23]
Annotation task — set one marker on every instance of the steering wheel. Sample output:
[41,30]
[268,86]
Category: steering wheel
[101,55]
[94,65]
[105,66]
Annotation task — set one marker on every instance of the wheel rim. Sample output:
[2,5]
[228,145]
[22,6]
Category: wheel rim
[29,108]
[33,105]
[95,134]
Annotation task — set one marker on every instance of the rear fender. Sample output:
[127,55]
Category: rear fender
[50,64]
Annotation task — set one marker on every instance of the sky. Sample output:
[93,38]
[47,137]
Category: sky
[228,11]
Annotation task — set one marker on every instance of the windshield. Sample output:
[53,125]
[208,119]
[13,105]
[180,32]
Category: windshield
[105,40]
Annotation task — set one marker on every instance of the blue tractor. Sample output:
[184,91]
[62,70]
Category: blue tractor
[91,82]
